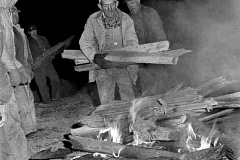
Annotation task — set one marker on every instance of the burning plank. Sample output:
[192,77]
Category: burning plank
[148,131]
[110,148]
[201,129]
[206,154]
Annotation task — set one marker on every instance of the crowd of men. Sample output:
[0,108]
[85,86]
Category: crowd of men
[107,29]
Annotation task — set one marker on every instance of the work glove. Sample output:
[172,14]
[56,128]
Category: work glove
[101,62]
[15,77]
[24,75]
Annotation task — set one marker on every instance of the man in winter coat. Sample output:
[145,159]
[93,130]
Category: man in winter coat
[107,29]
[149,29]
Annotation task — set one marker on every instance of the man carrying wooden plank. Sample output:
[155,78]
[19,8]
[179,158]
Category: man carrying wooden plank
[149,29]
[38,45]
[107,29]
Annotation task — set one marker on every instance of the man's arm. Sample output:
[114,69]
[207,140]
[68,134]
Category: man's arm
[87,41]
[131,35]
[157,26]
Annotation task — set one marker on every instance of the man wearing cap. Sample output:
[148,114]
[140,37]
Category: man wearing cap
[149,29]
[38,44]
[23,93]
[107,29]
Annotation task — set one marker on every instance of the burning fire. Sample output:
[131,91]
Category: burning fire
[136,106]
[114,133]
[205,142]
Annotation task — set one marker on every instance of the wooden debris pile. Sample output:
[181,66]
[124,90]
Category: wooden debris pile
[168,126]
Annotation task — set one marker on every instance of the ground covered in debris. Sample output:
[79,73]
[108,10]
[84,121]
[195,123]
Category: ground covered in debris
[55,120]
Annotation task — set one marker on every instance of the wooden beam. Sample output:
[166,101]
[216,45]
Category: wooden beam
[206,154]
[110,148]
[215,115]
[148,47]
[86,67]
[167,57]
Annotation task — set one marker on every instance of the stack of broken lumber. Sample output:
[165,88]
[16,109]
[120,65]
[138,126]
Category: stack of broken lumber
[161,122]
[151,53]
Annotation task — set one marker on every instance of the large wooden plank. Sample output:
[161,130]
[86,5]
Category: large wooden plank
[167,57]
[149,47]
[81,61]
[73,54]
[206,154]
[124,151]
[46,56]
[86,67]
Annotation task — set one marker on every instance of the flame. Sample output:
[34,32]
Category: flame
[114,135]
[205,142]
[99,154]
[136,106]
[137,141]
[113,130]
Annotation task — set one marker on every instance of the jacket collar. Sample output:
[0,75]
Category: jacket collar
[98,16]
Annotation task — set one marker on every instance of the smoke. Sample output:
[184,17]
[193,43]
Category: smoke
[211,29]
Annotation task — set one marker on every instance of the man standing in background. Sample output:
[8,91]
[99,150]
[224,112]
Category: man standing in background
[23,93]
[149,29]
[38,44]
[107,29]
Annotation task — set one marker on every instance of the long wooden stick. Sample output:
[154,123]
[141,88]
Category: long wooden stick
[124,151]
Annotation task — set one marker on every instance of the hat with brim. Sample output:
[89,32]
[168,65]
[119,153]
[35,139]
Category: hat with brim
[14,9]
[31,27]
[107,0]
[127,1]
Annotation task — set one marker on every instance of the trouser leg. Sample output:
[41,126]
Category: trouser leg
[55,82]
[41,81]
[106,86]
[26,109]
[5,150]
[124,83]
[147,81]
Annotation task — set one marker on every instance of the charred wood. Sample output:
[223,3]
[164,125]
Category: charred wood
[206,154]
[120,150]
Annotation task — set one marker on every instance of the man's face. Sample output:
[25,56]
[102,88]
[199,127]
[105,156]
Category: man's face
[109,8]
[133,5]
[33,33]
[15,17]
